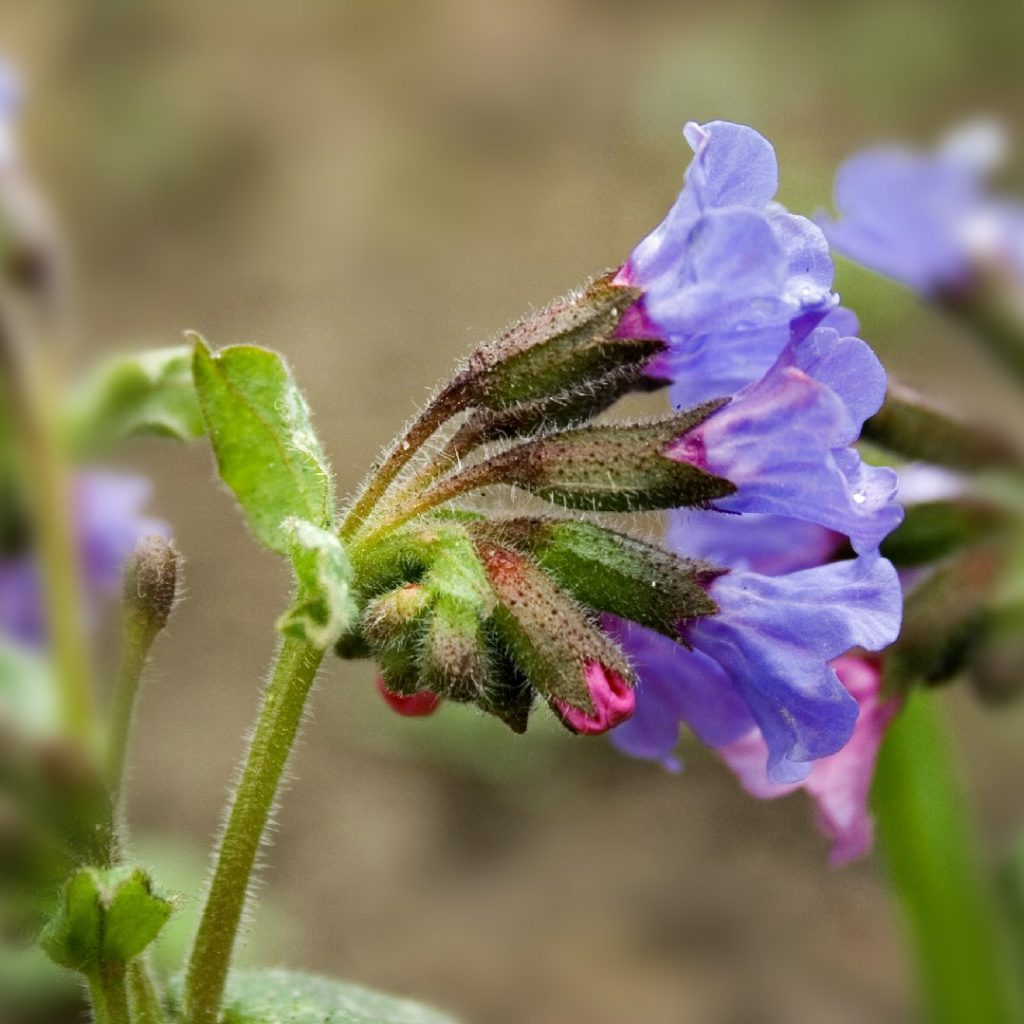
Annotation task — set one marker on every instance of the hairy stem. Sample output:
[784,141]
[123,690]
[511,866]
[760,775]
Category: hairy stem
[138,637]
[143,994]
[276,729]
[109,995]
[924,829]
[440,410]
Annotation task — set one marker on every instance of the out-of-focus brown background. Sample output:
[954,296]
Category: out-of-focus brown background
[371,187]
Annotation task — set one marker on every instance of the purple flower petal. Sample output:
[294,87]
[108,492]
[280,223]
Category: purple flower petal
[773,637]
[838,784]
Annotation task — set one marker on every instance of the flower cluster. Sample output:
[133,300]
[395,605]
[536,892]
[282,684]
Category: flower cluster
[927,219]
[736,629]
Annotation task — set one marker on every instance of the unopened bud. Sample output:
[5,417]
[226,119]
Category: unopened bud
[412,705]
[389,618]
[547,635]
[151,582]
[912,426]
[932,530]
[611,695]
[944,619]
[454,656]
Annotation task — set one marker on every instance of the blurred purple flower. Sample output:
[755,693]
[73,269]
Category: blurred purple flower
[109,523]
[926,219]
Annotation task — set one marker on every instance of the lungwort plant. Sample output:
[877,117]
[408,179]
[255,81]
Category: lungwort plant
[756,620]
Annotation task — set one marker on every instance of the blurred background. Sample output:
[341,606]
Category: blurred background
[371,186]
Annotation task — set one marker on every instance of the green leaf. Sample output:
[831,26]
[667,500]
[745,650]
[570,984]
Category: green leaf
[27,695]
[260,429]
[266,997]
[146,393]
[324,606]
[106,917]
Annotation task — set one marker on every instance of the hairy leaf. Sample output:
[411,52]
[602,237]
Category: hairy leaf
[324,606]
[145,393]
[270,996]
[105,917]
[262,436]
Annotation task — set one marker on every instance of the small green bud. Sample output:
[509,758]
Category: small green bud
[389,618]
[910,425]
[944,619]
[105,917]
[151,582]
[932,530]
[454,659]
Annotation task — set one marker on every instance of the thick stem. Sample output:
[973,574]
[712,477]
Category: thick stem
[109,995]
[276,729]
[924,827]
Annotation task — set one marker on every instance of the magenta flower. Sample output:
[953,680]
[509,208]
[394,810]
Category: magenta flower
[613,700]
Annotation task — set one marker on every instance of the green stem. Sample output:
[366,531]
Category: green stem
[34,406]
[109,995]
[924,828]
[445,405]
[987,314]
[138,637]
[276,729]
[144,997]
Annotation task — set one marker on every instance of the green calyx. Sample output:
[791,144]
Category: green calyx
[552,352]
[613,572]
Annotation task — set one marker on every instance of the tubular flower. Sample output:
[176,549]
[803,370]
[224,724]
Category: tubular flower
[926,219]
[785,440]
[109,522]
[728,273]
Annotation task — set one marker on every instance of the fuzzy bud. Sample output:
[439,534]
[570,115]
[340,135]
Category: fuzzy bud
[612,572]
[549,638]
[151,582]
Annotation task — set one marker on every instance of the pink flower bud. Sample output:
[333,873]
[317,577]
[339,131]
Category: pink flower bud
[613,702]
[414,705]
